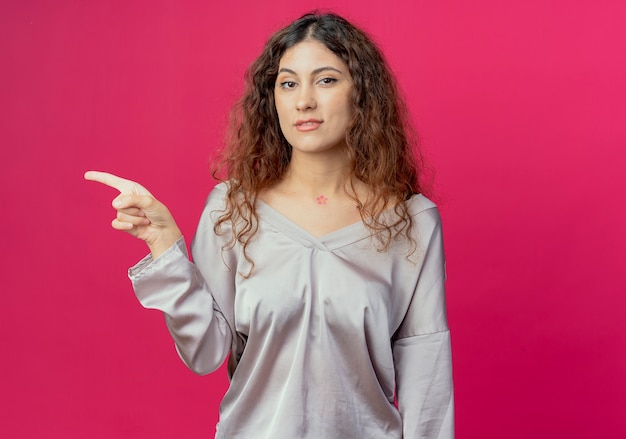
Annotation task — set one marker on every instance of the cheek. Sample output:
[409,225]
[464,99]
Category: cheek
[280,112]
[347,110]
[283,120]
[344,102]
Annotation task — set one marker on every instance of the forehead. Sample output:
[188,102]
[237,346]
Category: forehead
[309,55]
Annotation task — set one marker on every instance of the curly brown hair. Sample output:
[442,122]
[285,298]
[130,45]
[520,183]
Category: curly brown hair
[381,147]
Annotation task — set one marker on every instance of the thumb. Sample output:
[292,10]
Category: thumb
[125,201]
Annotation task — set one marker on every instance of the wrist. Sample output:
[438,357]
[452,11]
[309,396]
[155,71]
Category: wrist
[164,241]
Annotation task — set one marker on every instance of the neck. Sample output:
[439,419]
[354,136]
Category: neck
[313,175]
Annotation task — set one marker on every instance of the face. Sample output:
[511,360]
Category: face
[312,96]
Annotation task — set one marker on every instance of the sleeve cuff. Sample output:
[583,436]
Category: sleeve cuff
[148,265]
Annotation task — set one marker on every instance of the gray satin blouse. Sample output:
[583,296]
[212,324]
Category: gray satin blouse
[327,328]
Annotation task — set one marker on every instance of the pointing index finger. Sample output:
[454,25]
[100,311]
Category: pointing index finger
[121,184]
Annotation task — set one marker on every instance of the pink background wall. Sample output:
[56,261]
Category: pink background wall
[521,109]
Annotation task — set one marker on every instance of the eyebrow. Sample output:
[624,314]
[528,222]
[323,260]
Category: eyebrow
[314,72]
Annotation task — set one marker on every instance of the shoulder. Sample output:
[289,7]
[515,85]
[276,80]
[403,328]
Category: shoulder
[426,221]
[214,206]
[223,206]
[217,195]
[419,203]
[422,209]
[212,234]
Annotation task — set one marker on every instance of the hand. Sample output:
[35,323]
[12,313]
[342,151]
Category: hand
[139,213]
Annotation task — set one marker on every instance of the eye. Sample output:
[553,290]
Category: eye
[326,81]
[287,85]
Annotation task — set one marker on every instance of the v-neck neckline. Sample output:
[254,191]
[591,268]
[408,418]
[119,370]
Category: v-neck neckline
[330,241]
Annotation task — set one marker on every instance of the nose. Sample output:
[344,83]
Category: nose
[305,99]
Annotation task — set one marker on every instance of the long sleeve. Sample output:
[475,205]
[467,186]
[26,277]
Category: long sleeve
[195,297]
[422,352]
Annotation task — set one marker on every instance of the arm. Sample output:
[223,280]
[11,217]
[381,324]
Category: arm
[173,285]
[421,348]
[168,281]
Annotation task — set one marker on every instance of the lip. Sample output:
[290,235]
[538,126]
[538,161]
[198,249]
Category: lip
[308,124]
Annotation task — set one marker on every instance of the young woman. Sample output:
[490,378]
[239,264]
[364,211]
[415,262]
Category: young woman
[317,264]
